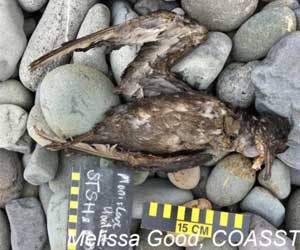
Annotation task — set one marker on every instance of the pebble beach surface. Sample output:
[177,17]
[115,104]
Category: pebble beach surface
[251,60]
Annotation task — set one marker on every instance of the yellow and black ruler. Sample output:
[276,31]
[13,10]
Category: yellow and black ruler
[100,204]
[189,221]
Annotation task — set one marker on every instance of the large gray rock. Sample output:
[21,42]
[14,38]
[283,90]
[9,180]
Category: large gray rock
[256,36]
[293,216]
[45,195]
[4,232]
[27,223]
[276,81]
[12,124]
[13,39]
[74,98]
[292,4]
[259,227]
[57,216]
[97,18]
[222,15]
[144,7]
[23,145]
[235,86]
[201,67]
[230,181]
[13,92]
[261,202]
[32,5]
[121,58]
[41,167]
[11,176]
[280,181]
[60,23]
[158,190]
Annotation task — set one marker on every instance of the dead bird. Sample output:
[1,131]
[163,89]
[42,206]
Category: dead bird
[168,129]
[164,36]
[175,128]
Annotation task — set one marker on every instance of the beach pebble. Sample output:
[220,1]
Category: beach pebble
[280,182]
[259,33]
[200,190]
[186,178]
[4,232]
[140,177]
[230,181]
[23,145]
[278,72]
[221,15]
[292,4]
[60,23]
[11,176]
[13,39]
[97,18]
[42,166]
[27,224]
[29,26]
[159,190]
[13,92]
[121,58]
[12,124]
[45,194]
[295,176]
[74,98]
[293,216]
[57,216]
[32,5]
[235,86]
[261,202]
[201,67]
[259,227]
[35,121]
[145,7]
[200,203]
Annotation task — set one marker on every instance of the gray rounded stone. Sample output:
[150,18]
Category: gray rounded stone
[74,98]
[97,18]
[292,214]
[4,232]
[259,33]
[11,176]
[292,4]
[280,181]
[221,15]
[60,23]
[12,124]
[260,226]
[57,217]
[13,92]
[261,202]
[121,58]
[13,39]
[295,176]
[202,66]
[27,223]
[230,181]
[23,145]
[32,5]
[42,166]
[235,86]
[145,7]
[276,82]
[36,120]
[159,190]
[45,194]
